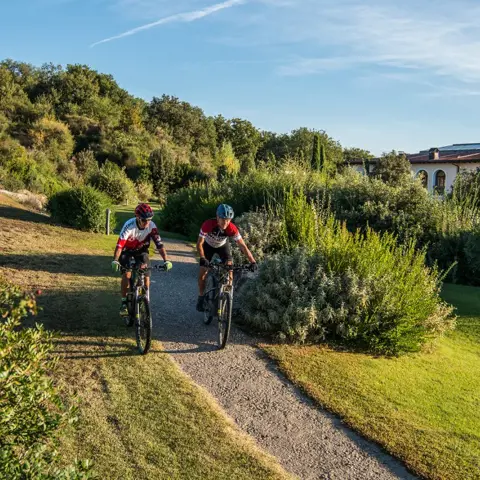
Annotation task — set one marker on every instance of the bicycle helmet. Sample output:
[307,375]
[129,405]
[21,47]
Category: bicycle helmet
[225,211]
[144,211]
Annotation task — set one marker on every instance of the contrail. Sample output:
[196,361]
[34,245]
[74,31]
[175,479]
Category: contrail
[179,17]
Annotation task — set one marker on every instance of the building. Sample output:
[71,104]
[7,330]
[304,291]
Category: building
[438,167]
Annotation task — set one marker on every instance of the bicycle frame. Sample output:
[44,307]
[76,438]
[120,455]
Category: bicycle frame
[222,301]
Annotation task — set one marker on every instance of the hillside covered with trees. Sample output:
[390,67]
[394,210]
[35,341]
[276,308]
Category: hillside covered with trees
[69,126]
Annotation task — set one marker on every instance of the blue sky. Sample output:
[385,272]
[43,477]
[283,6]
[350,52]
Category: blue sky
[376,74]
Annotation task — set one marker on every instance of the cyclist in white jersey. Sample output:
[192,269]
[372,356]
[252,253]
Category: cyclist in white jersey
[134,242]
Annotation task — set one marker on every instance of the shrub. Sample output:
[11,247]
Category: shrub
[112,180]
[363,288]
[86,165]
[52,137]
[188,208]
[32,413]
[262,232]
[83,208]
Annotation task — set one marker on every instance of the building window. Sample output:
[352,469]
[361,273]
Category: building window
[423,176]
[440,178]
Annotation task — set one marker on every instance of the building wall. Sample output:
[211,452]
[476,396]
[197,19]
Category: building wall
[449,168]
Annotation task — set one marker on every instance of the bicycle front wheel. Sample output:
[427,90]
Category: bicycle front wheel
[224,319]
[209,300]
[143,325]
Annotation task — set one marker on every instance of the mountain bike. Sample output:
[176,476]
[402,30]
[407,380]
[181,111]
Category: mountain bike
[218,297]
[138,306]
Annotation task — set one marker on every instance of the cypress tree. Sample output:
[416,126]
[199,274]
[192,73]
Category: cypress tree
[316,153]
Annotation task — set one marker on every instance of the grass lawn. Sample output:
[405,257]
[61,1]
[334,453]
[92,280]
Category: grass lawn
[140,417]
[423,408]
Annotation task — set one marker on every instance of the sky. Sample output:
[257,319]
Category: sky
[374,74]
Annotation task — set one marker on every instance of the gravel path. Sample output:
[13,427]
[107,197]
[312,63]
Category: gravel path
[307,441]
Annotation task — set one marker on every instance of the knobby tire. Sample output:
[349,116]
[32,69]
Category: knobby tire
[143,326]
[224,319]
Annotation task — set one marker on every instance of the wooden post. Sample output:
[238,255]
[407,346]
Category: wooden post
[107,225]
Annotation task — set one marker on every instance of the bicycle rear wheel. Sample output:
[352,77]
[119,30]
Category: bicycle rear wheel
[224,319]
[143,325]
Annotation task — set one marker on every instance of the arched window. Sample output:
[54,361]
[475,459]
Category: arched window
[423,176]
[440,179]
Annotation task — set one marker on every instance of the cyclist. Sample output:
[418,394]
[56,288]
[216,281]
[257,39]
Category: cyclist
[213,239]
[134,241]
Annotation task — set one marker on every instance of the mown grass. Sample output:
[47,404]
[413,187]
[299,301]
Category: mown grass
[423,408]
[140,417]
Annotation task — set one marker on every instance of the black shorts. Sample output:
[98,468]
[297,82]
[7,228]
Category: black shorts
[223,252]
[139,257]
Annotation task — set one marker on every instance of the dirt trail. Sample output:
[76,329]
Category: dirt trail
[307,441]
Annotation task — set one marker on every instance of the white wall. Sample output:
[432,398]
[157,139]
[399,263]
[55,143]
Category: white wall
[449,168]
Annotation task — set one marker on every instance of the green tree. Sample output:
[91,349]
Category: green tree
[226,162]
[187,125]
[112,180]
[316,158]
[392,168]
[323,157]
[162,167]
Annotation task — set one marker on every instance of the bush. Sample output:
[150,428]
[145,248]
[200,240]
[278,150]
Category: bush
[188,208]
[262,232]
[32,413]
[83,208]
[52,137]
[356,288]
[112,180]
[86,165]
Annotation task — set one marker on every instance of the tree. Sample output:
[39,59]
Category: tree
[392,168]
[354,153]
[162,167]
[187,125]
[316,159]
[245,142]
[226,163]
[323,157]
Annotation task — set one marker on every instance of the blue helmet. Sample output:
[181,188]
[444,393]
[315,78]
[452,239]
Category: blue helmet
[225,211]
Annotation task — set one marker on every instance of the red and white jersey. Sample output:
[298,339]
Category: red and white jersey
[215,236]
[134,238]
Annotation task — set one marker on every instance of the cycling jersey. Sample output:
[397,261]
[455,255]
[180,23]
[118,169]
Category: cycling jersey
[134,238]
[215,236]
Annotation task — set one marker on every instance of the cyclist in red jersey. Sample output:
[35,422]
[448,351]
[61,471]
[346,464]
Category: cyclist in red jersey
[134,242]
[213,238]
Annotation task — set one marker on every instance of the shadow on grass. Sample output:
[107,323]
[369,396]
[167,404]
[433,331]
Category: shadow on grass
[25,215]
[86,265]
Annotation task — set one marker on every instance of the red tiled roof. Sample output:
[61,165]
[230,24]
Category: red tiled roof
[443,158]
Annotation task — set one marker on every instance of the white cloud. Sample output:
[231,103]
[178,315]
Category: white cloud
[179,17]
[441,41]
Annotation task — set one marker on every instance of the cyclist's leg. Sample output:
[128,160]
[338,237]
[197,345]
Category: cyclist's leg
[202,276]
[142,260]
[225,254]
[125,284]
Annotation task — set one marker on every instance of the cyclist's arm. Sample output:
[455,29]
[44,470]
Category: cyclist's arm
[118,252]
[245,250]
[158,242]
[200,242]
[163,253]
